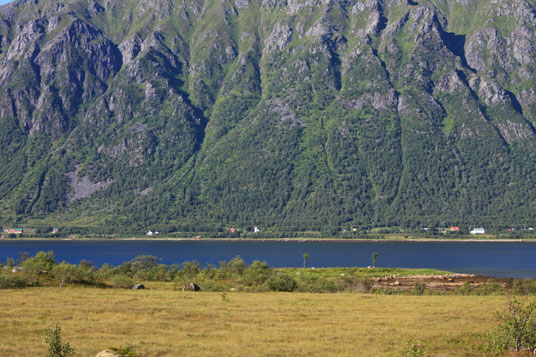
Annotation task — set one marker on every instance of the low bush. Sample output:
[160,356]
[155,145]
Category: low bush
[124,351]
[317,284]
[122,281]
[13,281]
[414,348]
[489,288]
[419,288]
[256,274]
[282,282]
[212,285]
[517,330]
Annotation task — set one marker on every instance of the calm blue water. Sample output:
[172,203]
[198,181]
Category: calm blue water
[506,259]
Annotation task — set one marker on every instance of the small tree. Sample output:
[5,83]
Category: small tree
[39,264]
[305,257]
[517,331]
[374,256]
[64,273]
[256,274]
[22,257]
[56,348]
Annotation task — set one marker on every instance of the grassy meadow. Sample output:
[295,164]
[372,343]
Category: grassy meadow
[161,321]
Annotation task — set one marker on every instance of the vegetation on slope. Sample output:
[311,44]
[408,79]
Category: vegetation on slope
[293,115]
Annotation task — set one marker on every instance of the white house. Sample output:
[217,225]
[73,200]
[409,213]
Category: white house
[478,231]
[150,233]
[256,230]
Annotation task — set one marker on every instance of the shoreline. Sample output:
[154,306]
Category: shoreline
[288,240]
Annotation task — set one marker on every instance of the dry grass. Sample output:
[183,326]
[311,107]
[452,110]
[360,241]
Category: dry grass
[163,322]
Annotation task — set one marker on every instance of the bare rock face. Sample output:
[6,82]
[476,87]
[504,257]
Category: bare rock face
[278,38]
[130,48]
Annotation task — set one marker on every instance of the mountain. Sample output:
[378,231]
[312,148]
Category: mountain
[288,114]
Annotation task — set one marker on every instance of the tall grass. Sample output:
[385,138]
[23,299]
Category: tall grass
[159,321]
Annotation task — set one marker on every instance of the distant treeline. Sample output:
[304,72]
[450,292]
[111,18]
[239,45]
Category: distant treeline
[173,231]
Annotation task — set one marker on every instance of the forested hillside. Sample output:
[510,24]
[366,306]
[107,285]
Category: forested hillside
[284,114]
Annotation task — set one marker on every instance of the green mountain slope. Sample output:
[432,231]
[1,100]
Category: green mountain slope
[289,114]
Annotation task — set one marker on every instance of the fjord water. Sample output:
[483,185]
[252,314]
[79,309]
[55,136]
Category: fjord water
[497,259]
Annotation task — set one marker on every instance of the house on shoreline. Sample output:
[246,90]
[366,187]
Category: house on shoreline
[15,231]
[478,231]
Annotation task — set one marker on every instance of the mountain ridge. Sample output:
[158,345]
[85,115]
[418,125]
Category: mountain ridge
[297,114]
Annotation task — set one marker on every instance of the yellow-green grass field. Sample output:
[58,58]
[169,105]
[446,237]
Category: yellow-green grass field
[159,321]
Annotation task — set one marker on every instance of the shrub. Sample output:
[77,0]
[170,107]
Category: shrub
[257,273]
[210,272]
[530,286]
[518,288]
[465,289]
[124,351]
[159,272]
[282,282]
[367,284]
[122,281]
[56,348]
[419,288]
[316,284]
[517,331]
[189,269]
[12,281]
[85,273]
[235,267]
[105,272]
[414,348]
[142,265]
[41,263]
[489,288]
[211,285]
[64,273]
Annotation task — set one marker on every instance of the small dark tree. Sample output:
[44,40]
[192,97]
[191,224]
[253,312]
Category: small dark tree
[22,258]
[305,257]
[374,256]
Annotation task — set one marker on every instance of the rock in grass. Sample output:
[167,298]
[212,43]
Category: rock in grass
[137,287]
[191,287]
[107,353]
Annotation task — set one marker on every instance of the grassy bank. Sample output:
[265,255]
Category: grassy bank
[235,275]
[162,322]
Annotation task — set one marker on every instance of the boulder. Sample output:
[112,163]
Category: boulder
[107,353]
[137,287]
[191,287]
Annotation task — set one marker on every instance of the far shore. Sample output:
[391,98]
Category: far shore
[292,240]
